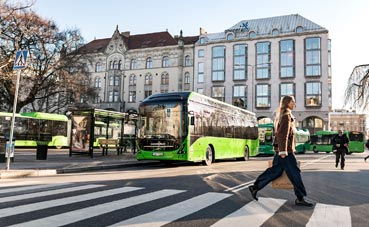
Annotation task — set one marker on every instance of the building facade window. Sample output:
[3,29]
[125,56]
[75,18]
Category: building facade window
[218,93]
[263,95]
[98,67]
[202,40]
[132,80]
[275,32]
[111,80]
[97,98]
[165,79]
[218,63]
[200,72]
[116,80]
[287,58]
[116,96]
[287,89]
[187,78]
[252,34]
[312,57]
[148,79]
[230,36]
[239,96]
[239,61]
[149,63]
[132,96]
[299,29]
[313,94]
[111,65]
[263,60]
[115,65]
[187,60]
[133,64]
[200,90]
[120,64]
[98,82]
[165,62]
[200,53]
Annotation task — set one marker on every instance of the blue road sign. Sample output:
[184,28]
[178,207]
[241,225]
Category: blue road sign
[20,60]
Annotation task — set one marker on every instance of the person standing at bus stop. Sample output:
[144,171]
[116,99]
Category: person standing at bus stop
[340,141]
[284,159]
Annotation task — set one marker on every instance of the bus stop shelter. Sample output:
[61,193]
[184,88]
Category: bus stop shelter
[90,125]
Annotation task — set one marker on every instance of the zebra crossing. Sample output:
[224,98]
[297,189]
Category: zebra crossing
[52,199]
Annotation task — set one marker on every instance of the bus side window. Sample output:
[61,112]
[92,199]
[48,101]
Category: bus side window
[192,120]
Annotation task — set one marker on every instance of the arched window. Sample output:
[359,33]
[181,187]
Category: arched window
[230,36]
[97,82]
[133,64]
[202,40]
[115,65]
[187,60]
[187,78]
[299,29]
[148,79]
[148,63]
[120,64]
[98,67]
[132,80]
[275,32]
[165,79]
[252,35]
[111,65]
[165,61]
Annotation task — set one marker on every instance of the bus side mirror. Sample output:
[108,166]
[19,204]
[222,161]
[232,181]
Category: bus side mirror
[192,120]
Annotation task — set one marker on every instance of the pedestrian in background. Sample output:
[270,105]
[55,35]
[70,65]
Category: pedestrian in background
[284,159]
[340,141]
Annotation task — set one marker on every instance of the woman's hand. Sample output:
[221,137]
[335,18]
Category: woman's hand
[283,154]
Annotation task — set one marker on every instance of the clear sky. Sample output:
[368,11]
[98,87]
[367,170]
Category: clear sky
[346,21]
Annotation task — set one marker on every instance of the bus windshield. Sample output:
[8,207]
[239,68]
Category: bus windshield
[356,136]
[161,121]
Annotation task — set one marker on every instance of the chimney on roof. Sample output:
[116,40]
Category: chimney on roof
[202,31]
[126,33]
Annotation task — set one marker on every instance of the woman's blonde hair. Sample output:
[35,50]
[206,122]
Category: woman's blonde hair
[282,109]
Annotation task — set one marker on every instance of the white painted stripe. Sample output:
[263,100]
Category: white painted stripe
[315,161]
[241,188]
[46,193]
[13,183]
[168,214]
[330,215]
[252,214]
[89,212]
[238,186]
[2,191]
[59,202]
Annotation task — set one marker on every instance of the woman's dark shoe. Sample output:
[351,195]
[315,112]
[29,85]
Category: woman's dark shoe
[302,202]
[253,191]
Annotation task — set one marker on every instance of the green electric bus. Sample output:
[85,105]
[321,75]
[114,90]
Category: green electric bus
[187,126]
[29,126]
[266,135]
[323,141]
[302,140]
[356,141]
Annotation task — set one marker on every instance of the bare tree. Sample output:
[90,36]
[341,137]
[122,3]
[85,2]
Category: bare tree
[55,72]
[357,93]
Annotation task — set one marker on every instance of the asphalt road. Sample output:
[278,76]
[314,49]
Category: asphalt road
[190,195]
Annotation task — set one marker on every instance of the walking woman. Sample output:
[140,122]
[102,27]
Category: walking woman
[284,158]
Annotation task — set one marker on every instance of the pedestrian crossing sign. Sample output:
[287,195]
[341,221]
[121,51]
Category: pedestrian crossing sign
[20,60]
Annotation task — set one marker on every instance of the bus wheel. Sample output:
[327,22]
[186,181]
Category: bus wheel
[246,155]
[209,156]
[58,147]
[315,150]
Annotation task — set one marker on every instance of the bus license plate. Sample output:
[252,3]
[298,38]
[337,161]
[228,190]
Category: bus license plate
[157,153]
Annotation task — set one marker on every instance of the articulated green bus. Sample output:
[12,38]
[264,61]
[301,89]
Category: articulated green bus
[356,141]
[266,135]
[29,126]
[323,141]
[187,126]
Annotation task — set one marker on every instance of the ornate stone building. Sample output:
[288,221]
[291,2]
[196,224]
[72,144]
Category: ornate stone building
[128,68]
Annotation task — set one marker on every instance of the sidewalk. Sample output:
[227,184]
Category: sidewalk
[59,162]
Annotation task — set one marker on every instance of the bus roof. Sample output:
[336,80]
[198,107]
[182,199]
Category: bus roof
[45,116]
[187,96]
[6,114]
